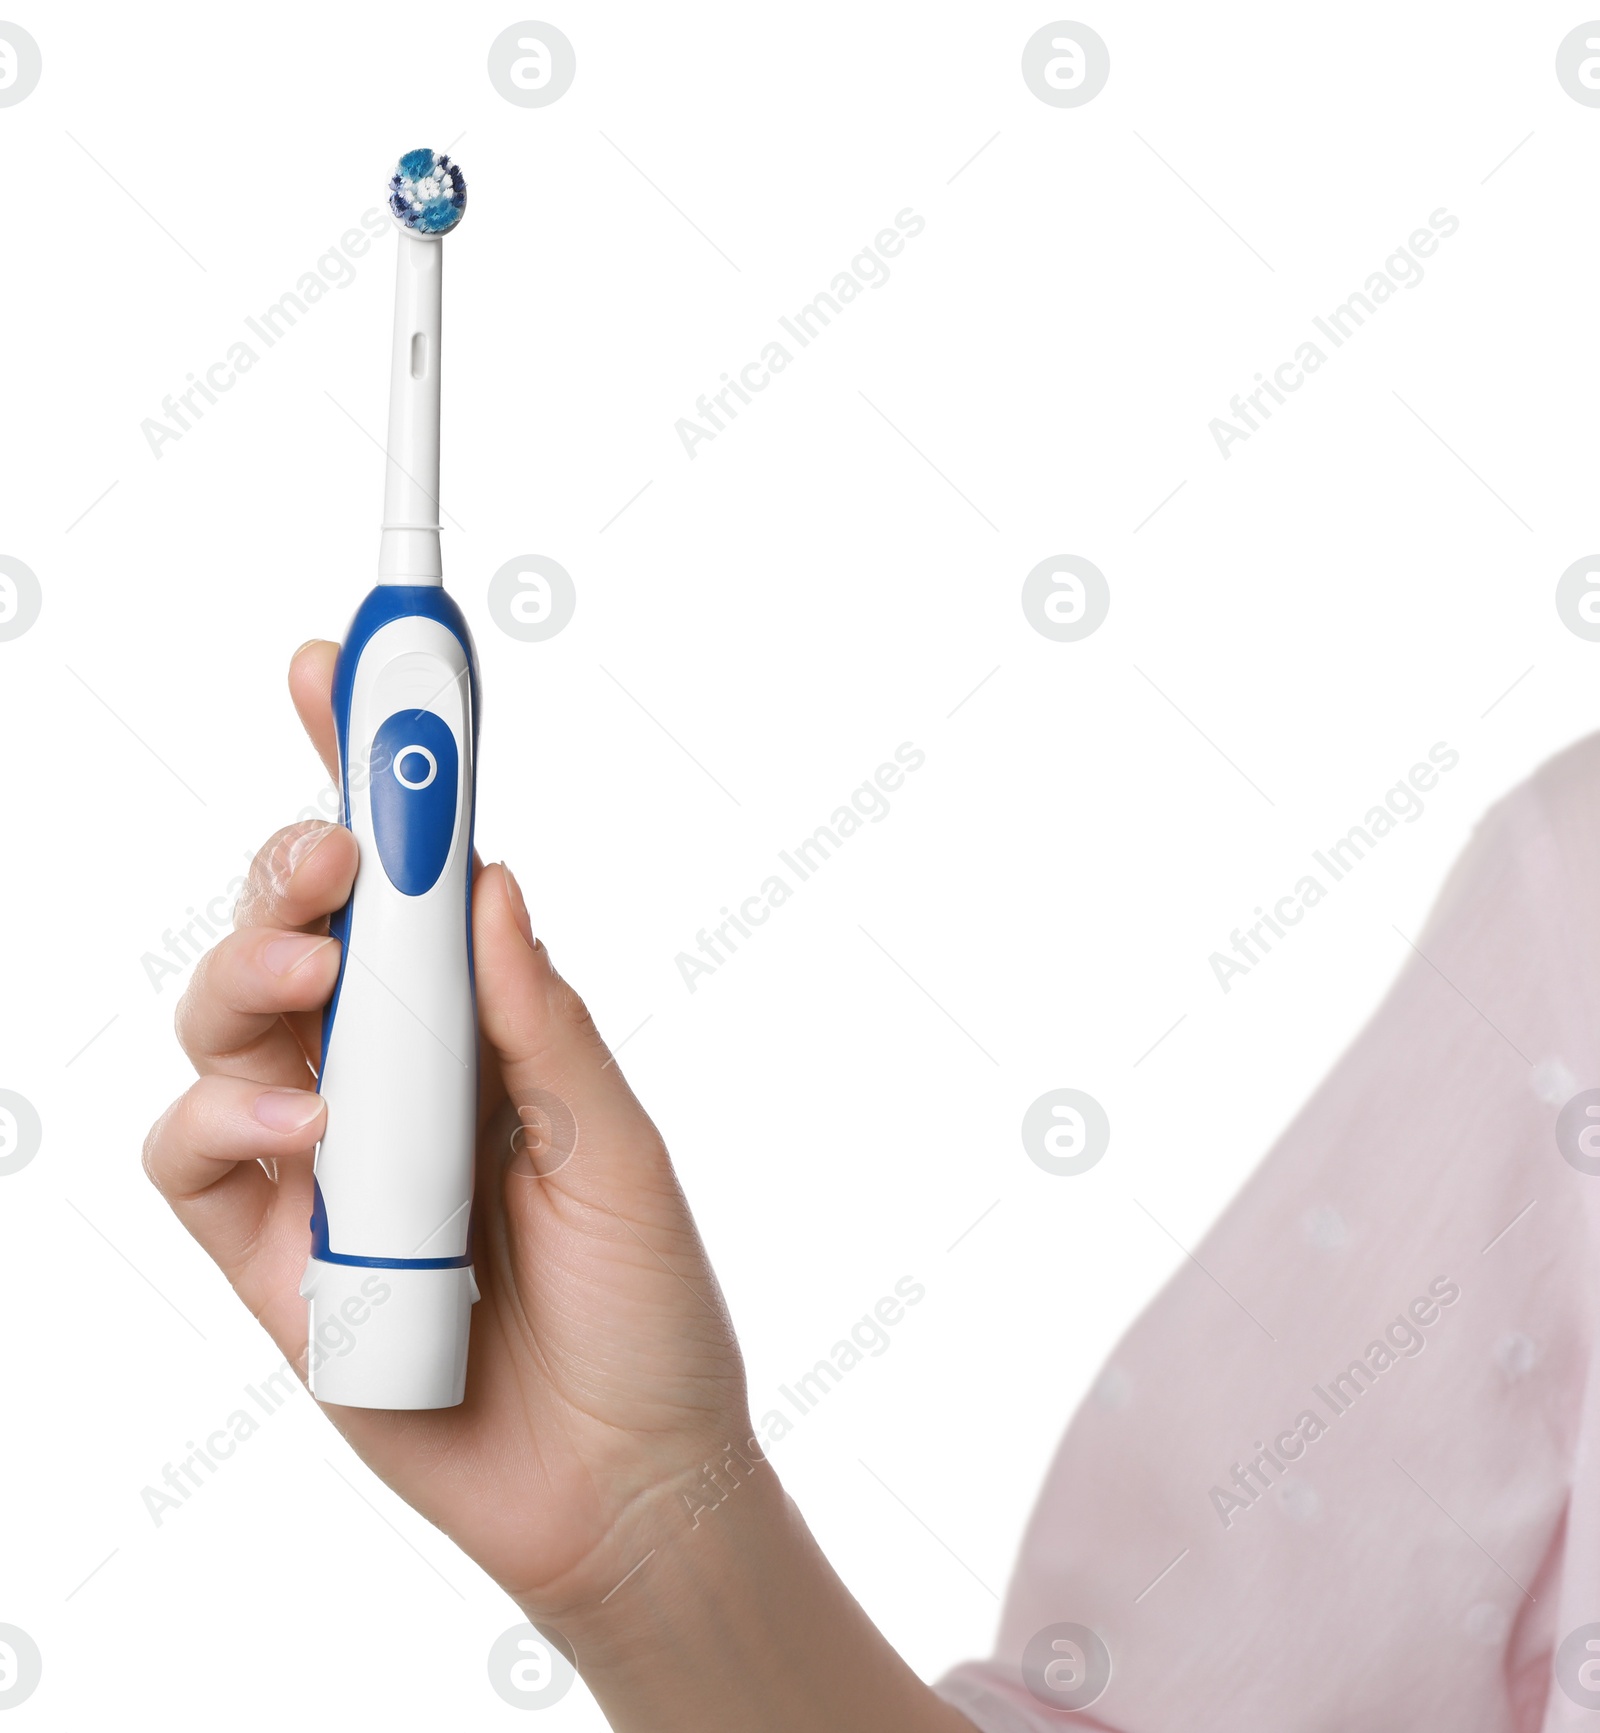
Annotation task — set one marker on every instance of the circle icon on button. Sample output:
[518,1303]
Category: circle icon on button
[420,775]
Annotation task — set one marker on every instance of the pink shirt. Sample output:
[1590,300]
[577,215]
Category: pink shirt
[1389,1516]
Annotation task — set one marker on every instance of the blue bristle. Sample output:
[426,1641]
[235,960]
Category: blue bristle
[438,215]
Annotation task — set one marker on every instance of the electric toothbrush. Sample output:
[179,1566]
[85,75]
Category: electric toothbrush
[390,1281]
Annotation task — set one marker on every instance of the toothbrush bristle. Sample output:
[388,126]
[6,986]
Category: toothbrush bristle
[427,193]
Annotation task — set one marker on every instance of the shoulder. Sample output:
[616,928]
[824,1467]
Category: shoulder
[1550,825]
[1521,902]
[1567,787]
[1523,898]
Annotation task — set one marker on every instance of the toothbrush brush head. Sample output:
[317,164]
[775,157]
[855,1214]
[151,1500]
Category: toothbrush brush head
[427,193]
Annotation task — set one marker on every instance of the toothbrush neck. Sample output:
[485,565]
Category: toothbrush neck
[409,551]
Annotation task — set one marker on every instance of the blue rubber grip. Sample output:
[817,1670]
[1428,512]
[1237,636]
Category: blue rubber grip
[414,771]
[382,604]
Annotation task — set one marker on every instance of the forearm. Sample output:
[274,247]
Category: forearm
[736,1621]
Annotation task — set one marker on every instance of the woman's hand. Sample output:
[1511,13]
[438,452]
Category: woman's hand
[603,1367]
[603,1377]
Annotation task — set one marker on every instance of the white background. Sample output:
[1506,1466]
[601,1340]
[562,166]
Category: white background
[805,594]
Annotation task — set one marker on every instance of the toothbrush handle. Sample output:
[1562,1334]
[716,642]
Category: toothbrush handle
[390,1277]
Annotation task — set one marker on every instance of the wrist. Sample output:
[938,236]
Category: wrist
[724,1614]
[669,1539]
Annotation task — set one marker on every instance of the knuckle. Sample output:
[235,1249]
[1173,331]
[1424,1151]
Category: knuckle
[571,1010]
[183,1020]
[148,1154]
[188,1013]
[174,1126]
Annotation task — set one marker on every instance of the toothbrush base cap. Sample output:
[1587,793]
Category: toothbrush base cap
[389,1338]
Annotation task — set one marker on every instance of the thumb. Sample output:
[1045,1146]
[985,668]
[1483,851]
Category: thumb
[583,1127]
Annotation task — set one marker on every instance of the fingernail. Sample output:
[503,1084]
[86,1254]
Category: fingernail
[287,1109]
[519,909]
[284,955]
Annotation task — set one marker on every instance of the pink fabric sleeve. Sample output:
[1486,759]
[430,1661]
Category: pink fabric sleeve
[1342,1473]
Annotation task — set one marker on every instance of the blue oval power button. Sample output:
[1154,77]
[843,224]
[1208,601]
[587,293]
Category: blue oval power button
[414,772]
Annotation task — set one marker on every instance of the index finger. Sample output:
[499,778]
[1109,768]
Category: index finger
[311,687]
